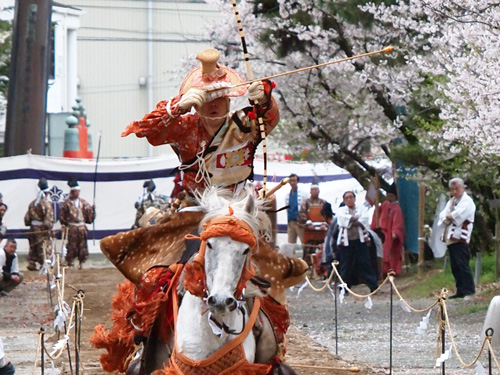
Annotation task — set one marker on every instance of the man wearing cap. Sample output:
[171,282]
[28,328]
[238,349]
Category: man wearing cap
[391,223]
[148,199]
[457,218]
[40,219]
[75,212]
[214,146]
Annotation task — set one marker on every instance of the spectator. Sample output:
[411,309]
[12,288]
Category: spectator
[311,221]
[391,223]
[355,260]
[328,253]
[457,218]
[75,212]
[375,249]
[10,277]
[310,209]
[40,218]
[293,201]
[3,227]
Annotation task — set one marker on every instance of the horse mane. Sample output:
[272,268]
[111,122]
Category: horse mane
[215,201]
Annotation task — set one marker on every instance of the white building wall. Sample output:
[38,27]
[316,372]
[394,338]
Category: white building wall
[62,89]
[113,56]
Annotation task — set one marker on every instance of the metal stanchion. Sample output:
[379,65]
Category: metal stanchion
[69,350]
[336,317]
[42,351]
[77,354]
[443,340]
[390,331]
[49,291]
[489,333]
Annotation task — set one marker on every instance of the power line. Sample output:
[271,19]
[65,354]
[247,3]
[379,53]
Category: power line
[132,31]
[120,39]
[84,6]
[163,1]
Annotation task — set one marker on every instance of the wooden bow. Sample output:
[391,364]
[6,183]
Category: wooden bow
[250,77]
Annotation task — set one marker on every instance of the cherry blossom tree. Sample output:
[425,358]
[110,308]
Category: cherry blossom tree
[347,110]
[433,102]
[463,40]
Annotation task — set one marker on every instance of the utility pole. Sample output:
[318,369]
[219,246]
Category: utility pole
[28,78]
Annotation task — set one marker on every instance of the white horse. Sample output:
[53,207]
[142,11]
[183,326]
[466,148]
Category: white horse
[200,333]
[219,315]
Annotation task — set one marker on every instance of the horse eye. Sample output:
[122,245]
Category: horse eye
[247,250]
[209,245]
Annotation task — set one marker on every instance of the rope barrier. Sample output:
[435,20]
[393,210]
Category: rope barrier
[495,359]
[327,282]
[391,280]
[66,315]
[334,264]
[454,345]
[442,312]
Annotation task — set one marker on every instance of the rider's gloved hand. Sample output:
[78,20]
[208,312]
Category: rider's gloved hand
[256,92]
[192,98]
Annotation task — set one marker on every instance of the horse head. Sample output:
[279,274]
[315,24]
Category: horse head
[229,237]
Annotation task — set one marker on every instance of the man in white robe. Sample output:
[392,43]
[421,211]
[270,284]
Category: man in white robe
[457,218]
[355,258]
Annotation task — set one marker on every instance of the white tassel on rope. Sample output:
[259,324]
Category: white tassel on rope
[342,292]
[404,306]
[47,264]
[444,357]
[52,368]
[422,327]
[62,314]
[59,320]
[479,369]
[368,303]
[59,345]
[331,291]
[301,288]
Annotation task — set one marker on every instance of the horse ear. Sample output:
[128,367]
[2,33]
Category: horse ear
[250,205]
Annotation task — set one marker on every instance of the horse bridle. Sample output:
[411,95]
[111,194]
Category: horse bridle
[223,326]
[222,226]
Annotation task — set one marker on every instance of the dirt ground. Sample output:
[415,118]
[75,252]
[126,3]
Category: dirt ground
[362,333]
[27,309]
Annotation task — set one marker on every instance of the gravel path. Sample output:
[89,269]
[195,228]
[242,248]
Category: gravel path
[364,334]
